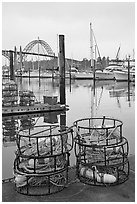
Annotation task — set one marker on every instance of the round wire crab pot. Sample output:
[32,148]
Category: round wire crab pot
[101,151]
[41,183]
[42,159]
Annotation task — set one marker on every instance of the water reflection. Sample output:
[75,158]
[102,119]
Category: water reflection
[124,89]
[107,98]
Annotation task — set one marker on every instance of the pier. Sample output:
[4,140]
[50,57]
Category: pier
[79,192]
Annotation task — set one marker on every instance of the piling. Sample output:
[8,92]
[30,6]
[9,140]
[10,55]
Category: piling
[62,69]
[38,60]
[15,58]
[129,79]
[29,72]
[11,66]
[129,69]
[20,53]
[63,121]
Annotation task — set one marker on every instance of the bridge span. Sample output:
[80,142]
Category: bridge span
[28,48]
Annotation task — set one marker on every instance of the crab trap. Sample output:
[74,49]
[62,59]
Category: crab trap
[42,159]
[101,151]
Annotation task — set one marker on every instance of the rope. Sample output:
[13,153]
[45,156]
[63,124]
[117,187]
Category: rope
[11,180]
[7,180]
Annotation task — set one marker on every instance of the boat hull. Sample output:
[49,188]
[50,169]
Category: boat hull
[123,76]
[35,75]
[104,75]
[83,75]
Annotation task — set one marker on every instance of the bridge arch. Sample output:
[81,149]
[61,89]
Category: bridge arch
[29,46]
[44,44]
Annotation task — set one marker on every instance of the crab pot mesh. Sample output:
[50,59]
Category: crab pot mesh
[101,131]
[44,140]
[101,151]
[41,165]
[42,159]
[103,175]
[40,184]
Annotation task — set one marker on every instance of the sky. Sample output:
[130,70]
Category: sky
[113,24]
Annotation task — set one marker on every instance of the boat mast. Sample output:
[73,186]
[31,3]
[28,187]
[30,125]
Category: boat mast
[91,46]
[92,52]
[38,58]
[117,55]
[93,68]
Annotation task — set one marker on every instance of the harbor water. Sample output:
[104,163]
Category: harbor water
[106,98]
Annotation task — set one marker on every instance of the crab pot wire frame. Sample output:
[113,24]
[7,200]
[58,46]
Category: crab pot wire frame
[99,130]
[49,141]
[101,151]
[42,153]
[38,184]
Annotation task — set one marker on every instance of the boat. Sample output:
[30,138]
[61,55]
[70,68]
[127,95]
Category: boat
[35,74]
[122,75]
[68,74]
[84,75]
[46,74]
[72,73]
[108,72]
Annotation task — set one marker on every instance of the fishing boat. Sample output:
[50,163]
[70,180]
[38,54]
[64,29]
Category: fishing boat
[106,74]
[122,75]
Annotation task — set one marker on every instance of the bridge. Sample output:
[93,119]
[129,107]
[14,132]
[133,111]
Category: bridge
[27,50]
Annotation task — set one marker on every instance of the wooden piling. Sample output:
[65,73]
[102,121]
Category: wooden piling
[11,65]
[63,128]
[62,69]
[63,121]
[20,59]
[129,79]
[15,58]
[129,70]
[38,60]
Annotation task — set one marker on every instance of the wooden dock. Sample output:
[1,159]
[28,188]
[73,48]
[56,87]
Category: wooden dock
[36,108]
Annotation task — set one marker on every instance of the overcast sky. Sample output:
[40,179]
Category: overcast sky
[113,25]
